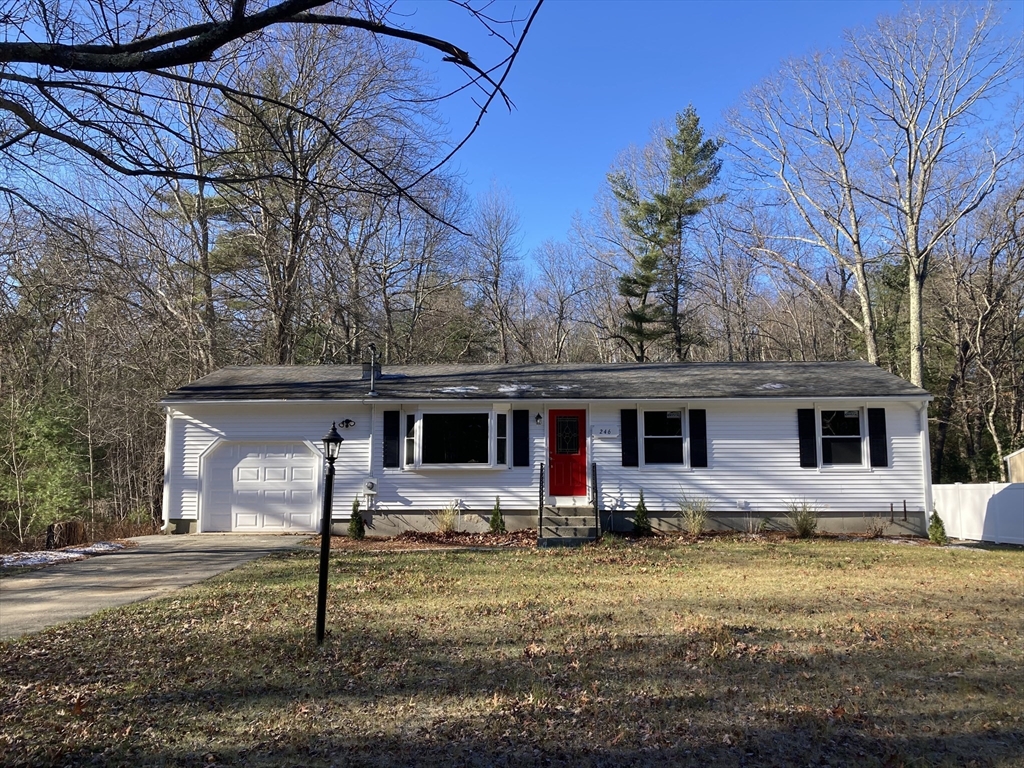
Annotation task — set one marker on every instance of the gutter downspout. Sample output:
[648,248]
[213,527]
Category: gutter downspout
[166,499]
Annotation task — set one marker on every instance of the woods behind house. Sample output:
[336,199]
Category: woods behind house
[862,203]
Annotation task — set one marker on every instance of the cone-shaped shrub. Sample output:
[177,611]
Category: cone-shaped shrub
[937,530]
[356,527]
[497,519]
[641,522]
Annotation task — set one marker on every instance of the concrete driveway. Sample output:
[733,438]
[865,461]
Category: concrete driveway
[159,565]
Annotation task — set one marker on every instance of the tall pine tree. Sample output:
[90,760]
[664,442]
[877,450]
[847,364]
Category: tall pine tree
[658,220]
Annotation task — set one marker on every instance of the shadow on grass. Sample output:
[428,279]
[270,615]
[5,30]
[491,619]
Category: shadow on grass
[455,744]
[219,676]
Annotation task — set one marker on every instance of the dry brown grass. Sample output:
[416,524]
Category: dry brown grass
[735,651]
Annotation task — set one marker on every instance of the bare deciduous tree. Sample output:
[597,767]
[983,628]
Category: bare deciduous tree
[91,77]
[876,151]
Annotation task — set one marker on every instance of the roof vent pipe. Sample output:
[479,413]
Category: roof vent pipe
[374,368]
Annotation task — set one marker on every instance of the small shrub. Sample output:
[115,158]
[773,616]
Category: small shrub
[876,526]
[446,519]
[695,515]
[803,517]
[356,527]
[641,522]
[756,525]
[937,530]
[497,519]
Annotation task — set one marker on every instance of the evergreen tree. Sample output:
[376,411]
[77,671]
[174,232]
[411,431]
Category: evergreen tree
[497,518]
[356,526]
[937,530]
[658,221]
[641,522]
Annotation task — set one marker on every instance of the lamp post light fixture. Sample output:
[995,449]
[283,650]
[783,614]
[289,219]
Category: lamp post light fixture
[332,446]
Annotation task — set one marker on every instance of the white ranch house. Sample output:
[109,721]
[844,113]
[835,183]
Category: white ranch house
[243,450]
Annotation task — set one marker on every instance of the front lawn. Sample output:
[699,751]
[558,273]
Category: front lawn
[740,652]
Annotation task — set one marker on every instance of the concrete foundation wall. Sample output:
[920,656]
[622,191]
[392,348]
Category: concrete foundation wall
[391,524]
[177,525]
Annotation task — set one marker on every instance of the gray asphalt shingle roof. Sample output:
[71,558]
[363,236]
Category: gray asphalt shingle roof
[550,381]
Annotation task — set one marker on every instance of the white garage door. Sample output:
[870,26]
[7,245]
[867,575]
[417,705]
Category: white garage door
[260,487]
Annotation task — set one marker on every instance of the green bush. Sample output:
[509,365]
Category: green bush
[803,517]
[937,530]
[44,468]
[641,522]
[356,526]
[497,519]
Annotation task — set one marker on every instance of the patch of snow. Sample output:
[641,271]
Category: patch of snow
[772,385]
[458,390]
[566,387]
[50,557]
[513,389]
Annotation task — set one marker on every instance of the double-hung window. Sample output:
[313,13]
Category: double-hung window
[842,437]
[501,439]
[663,437]
[654,438]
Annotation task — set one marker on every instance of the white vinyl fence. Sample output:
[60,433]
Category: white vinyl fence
[982,511]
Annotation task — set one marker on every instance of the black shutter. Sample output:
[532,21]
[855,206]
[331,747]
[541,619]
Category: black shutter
[808,437]
[520,438]
[630,442]
[392,442]
[698,437]
[876,437]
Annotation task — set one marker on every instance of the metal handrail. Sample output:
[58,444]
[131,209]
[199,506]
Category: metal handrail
[540,506]
[595,498]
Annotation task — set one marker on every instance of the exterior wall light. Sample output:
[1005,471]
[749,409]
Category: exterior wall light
[538,419]
[346,424]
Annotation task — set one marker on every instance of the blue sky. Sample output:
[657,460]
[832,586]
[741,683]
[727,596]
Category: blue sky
[595,75]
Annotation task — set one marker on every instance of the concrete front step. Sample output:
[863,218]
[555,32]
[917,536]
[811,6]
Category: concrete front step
[567,526]
[569,532]
[564,542]
[577,521]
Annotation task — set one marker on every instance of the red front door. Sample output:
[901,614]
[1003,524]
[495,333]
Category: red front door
[567,452]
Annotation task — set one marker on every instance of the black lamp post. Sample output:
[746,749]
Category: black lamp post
[332,445]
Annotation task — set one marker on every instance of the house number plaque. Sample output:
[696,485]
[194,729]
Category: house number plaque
[606,431]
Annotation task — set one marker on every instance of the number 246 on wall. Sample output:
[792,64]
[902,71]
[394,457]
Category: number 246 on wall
[606,431]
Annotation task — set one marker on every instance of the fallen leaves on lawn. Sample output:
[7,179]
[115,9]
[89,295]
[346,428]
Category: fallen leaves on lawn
[737,652]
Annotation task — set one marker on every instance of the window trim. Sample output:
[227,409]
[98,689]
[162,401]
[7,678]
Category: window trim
[492,438]
[642,436]
[862,417]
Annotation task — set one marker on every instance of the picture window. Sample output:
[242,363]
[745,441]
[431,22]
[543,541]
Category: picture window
[455,438]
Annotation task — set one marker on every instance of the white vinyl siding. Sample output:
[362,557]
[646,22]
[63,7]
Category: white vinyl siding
[193,437]
[753,464]
[753,458]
